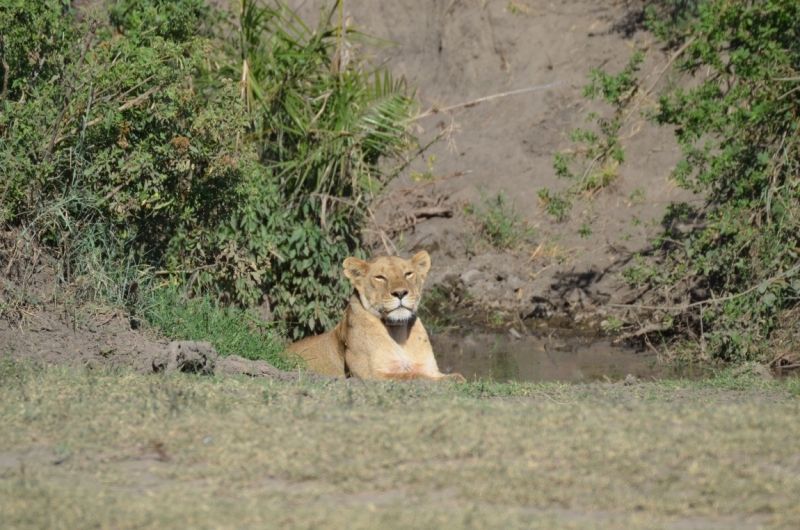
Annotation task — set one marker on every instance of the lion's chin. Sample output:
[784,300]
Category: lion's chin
[399,316]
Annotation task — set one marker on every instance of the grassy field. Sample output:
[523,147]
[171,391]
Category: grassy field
[116,450]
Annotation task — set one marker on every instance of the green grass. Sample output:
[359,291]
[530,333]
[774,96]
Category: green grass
[497,221]
[231,330]
[438,310]
[81,449]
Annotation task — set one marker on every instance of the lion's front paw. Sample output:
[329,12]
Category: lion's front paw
[453,378]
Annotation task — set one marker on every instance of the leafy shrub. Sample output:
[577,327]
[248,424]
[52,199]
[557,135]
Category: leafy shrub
[555,204]
[134,147]
[672,20]
[176,20]
[327,129]
[593,165]
[738,129]
[140,147]
[739,134]
[29,33]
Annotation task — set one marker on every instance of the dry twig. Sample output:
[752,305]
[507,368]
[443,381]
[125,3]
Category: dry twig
[671,60]
[125,106]
[472,103]
[769,281]
[6,72]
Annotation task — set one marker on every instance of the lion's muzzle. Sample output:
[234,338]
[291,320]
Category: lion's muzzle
[399,310]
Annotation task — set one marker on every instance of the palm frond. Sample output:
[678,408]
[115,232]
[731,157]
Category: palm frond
[320,129]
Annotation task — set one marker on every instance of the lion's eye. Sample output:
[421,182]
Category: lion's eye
[409,274]
[380,278]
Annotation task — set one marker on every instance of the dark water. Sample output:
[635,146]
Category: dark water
[552,357]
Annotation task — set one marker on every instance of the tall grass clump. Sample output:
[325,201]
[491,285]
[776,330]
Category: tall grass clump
[167,143]
[231,330]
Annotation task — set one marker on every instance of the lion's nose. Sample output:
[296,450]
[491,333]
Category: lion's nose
[400,294]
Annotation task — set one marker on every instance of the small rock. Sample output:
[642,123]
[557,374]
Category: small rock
[755,370]
[470,276]
[542,308]
[630,380]
[186,356]
[427,244]
[574,297]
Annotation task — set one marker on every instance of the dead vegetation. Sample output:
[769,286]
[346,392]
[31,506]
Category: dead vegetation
[403,209]
[22,265]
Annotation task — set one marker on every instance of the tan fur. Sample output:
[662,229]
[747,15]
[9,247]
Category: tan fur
[380,336]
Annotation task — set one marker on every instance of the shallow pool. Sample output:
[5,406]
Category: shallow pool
[555,356]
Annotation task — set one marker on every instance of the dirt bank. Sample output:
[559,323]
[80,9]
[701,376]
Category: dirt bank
[458,51]
[49,337]
[45,323]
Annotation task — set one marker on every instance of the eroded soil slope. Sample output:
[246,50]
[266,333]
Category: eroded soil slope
[459,51]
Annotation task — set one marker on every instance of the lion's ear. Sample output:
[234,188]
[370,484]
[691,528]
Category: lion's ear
[421,263]
[355,270]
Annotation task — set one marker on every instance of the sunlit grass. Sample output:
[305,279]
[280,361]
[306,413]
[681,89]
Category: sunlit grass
[98,449]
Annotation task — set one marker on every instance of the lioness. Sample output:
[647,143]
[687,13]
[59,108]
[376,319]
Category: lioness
[380,336]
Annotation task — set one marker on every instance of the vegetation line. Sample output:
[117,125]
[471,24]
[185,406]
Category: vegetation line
[715,300]
[188,180]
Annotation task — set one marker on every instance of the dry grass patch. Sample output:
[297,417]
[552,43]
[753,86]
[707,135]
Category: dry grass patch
[117,450]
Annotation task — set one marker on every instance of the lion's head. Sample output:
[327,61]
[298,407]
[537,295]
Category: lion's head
[389,287]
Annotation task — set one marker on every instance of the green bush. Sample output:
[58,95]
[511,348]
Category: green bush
[138,149]
[134,148]
[176,20]
[29,34]
[592,166]
[739,133]
[738,128]
[327,131]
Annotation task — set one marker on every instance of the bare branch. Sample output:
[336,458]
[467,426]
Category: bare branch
[436,110]
[672,59]
[68,94]
[6,72]
[769,281]
[125,106]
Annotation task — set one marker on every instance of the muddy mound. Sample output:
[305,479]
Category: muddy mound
[59,338]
